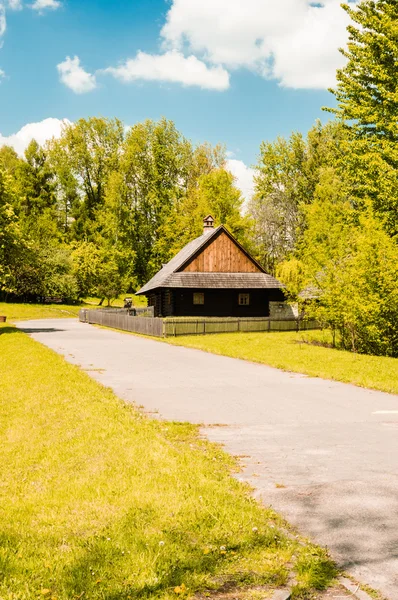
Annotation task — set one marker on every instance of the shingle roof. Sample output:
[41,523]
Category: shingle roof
[168,277]
[178,260]
[222,280]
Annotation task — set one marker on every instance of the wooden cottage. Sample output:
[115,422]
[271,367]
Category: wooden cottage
[213,276]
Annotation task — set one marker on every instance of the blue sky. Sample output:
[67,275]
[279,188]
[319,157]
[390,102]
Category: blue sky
[224,70]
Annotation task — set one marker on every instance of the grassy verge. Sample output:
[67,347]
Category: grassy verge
[297,352]
[21,312]
[99,502]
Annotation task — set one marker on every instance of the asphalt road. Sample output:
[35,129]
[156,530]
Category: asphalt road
[324,454]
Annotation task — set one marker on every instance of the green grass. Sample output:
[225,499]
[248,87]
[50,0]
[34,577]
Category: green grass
[140,301]
[22,312]
[297,352]
[99,502]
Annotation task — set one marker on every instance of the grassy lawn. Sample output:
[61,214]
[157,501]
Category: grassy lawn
[21,312]
[99,502]
[293,352]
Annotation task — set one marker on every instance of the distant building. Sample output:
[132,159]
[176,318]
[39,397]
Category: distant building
[213,276]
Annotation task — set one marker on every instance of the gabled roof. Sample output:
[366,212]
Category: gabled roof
[239,281]
[169,275]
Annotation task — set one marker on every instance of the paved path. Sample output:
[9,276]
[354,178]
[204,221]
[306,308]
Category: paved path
[324,454]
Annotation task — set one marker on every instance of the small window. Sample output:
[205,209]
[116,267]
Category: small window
[198,298]
[244,299]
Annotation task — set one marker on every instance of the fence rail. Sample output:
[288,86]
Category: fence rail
[189,326]
[122,320]
[159,327]
[136,311]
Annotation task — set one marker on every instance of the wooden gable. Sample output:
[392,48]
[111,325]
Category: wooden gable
[221,255]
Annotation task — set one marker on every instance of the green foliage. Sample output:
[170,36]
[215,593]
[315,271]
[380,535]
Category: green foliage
[86,266]
[44,271]
[293,274]
[287,174]
[213,193]
[83,158]
[155,166]
[36,182]
[113,274]
[353,262]
[367,96]
[11,241]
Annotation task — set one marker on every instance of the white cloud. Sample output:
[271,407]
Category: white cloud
[292,41]
[41,132]
[2,74]
[15,4]
[3,21]
[174,67]
[75,77]
[41,5]
[244,176]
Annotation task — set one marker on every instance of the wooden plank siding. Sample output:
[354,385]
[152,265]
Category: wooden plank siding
[222,255]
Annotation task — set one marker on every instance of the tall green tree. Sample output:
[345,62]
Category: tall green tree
[367,96]
[287,174]
[12,243]
[353,264]
[156,167]
[36,182]
[83,158]
[10,162]
[215,193]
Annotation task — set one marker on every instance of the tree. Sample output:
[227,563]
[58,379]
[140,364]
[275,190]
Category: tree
[9,160]
[155,166]
[12,243]
[36,182]
[88,151]
[66,187]
[86,261]
[367,96]
[113,274]
[287,175]
[353,263]
[215,193]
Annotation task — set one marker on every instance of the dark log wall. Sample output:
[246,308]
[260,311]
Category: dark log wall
[222,255]
[163,302]
[223,303]
[155,300]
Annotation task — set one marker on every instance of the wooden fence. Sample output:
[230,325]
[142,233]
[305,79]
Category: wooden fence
[136,311]
[190,326]
[122,320]
[159,327]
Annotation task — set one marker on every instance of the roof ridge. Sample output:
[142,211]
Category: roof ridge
[183,257]
[179,259]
